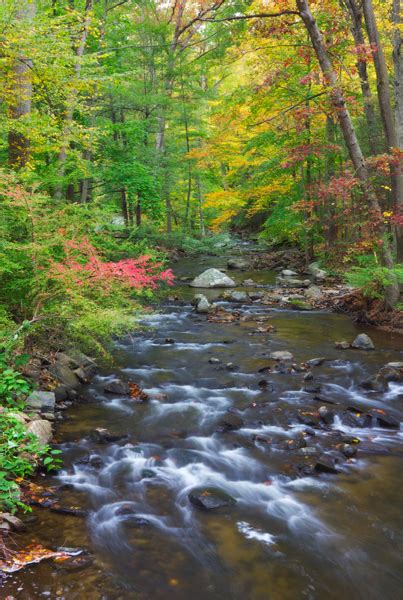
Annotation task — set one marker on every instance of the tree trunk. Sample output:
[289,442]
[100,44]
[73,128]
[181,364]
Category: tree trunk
[355,11]
[71,101]
[18,143]
[138,211]
[124,205]
[350,138]
[385,105]
[398,89]
[200,202]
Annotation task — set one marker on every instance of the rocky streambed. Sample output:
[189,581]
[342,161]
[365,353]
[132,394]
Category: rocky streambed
[235,452]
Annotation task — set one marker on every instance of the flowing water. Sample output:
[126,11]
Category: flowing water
[288,536]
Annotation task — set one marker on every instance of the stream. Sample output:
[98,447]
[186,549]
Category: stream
[294,532]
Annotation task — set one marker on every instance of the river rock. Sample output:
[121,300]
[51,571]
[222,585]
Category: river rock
[214,361]
[256,295]
[349,450]
[394,365]
[363,342]
[289,273]
[316,272]
[18,417]
[203,305]
[375,384]
[239,297]
[326,415]
[292,282]
[42,429]
[326,464]
[41,401]
[343,345]
[212,278]
[281,355]
[237,263]
[391,373]
[117,386]
[385,421]
[101,435]
[209,498]
[316,362]
[313,293]
[63,373]
[230,422]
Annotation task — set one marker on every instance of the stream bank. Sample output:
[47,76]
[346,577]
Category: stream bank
[225,423]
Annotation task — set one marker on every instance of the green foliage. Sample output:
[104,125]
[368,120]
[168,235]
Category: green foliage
[13,387]
[20,454]
[371,277]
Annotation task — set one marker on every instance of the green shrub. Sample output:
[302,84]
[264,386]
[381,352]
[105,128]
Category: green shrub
[371,277]
[20,454]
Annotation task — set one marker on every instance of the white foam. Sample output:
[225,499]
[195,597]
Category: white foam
[255,534]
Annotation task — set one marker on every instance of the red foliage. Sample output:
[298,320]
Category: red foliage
[84,265]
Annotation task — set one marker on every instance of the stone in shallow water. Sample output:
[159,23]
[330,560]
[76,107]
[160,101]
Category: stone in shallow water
[117,386]
[281,355]
[237,263]
[209,498]
[230,422]
[203,305]
[212,278]
[239,297]
[363,342]
[326,464]
[343,345]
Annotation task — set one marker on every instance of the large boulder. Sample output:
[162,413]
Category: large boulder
[42,430]
[237,263]
[212,278]
[363,342]
[63,373]
[209,498]
[41,401]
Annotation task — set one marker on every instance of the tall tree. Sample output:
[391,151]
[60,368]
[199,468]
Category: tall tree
[21,94]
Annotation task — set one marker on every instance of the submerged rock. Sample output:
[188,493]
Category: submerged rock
[230,422]
[281,355]
[101,435]
[363,342]
[238,297]
[343,345]
[212,278]
[237,263]
[209,498]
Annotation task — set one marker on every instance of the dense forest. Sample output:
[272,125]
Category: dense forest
[135,131]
